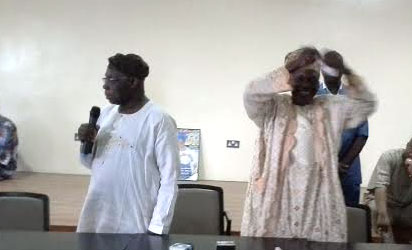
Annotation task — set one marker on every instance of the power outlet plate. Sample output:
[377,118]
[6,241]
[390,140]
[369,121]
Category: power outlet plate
[232,144]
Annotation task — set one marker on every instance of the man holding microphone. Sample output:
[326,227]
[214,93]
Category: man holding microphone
[134,160]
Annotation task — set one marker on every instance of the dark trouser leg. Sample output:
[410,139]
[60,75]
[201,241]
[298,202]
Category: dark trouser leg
[402,235]
[351,194]
[402,224]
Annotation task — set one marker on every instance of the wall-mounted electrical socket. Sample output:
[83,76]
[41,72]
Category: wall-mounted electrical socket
[232,144]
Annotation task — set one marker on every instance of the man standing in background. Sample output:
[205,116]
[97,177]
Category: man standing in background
[353,140]
[8,148]
[135,159]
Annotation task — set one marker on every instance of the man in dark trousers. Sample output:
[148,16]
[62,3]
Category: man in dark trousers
[353,140]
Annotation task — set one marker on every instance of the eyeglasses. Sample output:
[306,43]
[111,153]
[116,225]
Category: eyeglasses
[113,80]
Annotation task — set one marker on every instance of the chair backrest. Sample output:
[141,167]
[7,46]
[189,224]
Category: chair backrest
[359,224]
[24,211]
[198,210]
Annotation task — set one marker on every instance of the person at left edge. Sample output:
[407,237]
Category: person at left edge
[8,148]
[135,157]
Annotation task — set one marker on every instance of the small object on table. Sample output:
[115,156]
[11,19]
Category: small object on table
[181,246]
[225,245]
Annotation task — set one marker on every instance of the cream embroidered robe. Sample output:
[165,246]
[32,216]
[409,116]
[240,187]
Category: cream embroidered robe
[288,195]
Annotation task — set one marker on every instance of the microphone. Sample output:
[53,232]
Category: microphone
[87,147]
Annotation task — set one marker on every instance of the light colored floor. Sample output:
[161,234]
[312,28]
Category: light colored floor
[67,193]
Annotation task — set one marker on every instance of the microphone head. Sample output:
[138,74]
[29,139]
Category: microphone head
[95,112]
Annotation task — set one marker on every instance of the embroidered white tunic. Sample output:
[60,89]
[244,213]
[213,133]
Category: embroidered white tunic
[294,189]
[134,171]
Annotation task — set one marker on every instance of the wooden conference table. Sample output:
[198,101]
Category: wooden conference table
[72,241]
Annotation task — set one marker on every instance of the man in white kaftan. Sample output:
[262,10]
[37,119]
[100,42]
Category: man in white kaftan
[134,163]
[294,189]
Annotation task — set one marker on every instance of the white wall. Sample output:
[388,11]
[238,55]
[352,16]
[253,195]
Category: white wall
[201,53]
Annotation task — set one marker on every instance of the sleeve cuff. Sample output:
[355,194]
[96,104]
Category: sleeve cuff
[378,185]
[156,229]
[280,80]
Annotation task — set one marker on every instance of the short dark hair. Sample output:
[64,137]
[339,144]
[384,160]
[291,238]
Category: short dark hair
[131,65]
[334,54]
